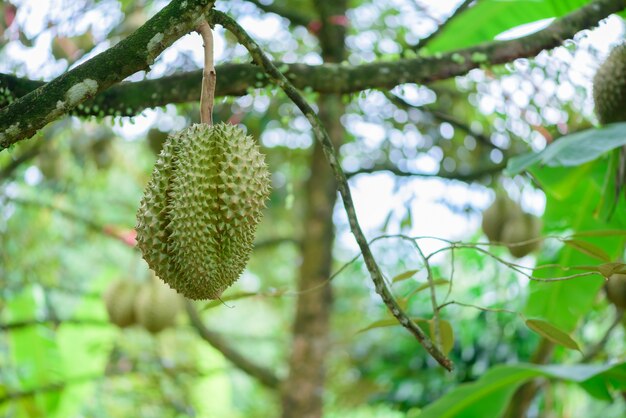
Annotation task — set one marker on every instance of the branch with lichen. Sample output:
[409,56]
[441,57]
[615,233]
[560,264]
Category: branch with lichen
[128,99]
[26,115]
[342,183]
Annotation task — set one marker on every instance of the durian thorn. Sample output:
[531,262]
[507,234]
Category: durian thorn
[209,77]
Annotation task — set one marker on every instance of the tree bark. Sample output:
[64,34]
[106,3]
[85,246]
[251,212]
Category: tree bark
[302,395]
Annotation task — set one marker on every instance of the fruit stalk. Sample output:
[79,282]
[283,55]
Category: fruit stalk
[209,76]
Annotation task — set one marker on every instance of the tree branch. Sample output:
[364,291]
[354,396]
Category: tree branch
[467,177]
[22,118]
[263,375]
[294,17]
[129,99]
[597,348]
[32,322]
[443,117]
[342,182]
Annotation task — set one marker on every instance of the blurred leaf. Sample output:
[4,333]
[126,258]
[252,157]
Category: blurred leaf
[403,276]
[573,150]
[552,333]
[490,394]
[588,248]
[445,331]
[436,282]
[573,211]
[488,18]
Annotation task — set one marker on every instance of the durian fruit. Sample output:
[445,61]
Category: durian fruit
[156,306]
[609,87]
[519,229]
[119,300]
[616,290]
[199,212]
[501,211]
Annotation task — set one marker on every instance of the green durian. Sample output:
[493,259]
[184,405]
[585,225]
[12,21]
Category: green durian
[199,212]
[156,306]
[616,290]
[498,214]
[119,300]
[524,227]
[609,87]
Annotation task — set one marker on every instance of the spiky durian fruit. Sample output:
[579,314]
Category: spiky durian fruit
[119,300]
[156,306]
[609,87]
[196,221]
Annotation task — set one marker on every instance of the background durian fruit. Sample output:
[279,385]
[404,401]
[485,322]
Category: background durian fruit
[616,290]
[497,215]
[156,305]
[519,229]
[119,300]
[505,222]
[609,87]
[199,212]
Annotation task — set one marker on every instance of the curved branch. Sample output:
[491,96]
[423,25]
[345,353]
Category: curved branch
[342,184]
[22,118]
[129,99]
[294,17]
[263,375]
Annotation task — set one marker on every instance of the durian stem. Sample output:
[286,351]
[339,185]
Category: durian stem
[321,135]
[209,77]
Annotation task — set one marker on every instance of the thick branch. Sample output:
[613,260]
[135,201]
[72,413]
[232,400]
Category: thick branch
[294,17]
[22,118]
[263,375]
[128,99]
[342,183]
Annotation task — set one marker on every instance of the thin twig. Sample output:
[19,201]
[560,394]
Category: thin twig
[342,183]
[597,348]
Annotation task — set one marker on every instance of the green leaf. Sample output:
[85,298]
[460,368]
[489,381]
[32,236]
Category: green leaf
[573,150]
[552,333]
[436,282]
[488,18]
[382,323]
[403,276]
[427,325]
[445,331]
[588,248]
[489,395]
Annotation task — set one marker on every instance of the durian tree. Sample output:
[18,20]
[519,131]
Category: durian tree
[414,198]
